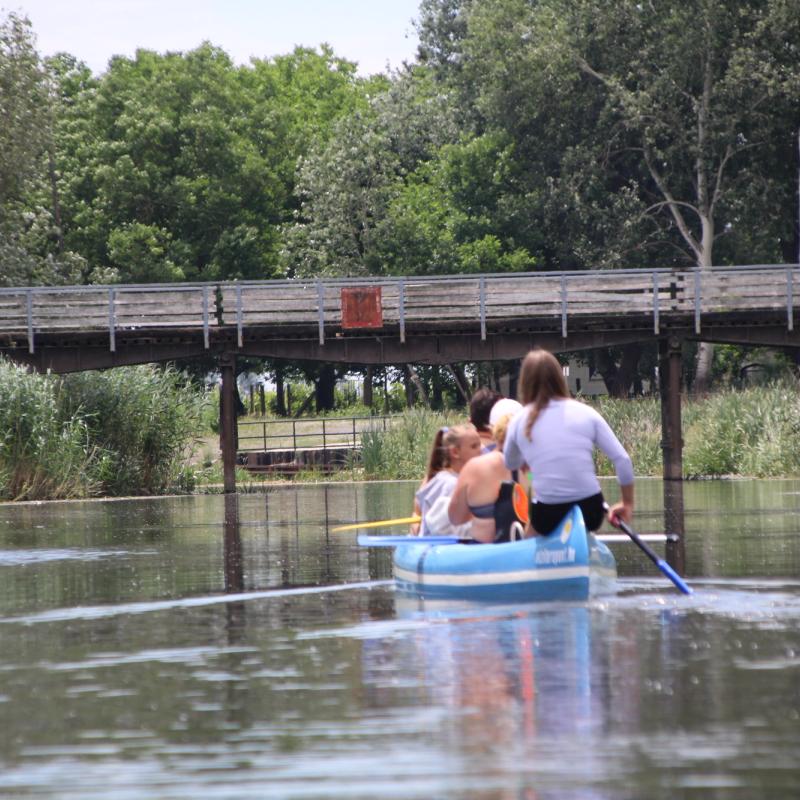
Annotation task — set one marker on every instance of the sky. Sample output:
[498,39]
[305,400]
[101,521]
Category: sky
[373,33]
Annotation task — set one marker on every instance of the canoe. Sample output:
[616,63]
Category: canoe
[569,564]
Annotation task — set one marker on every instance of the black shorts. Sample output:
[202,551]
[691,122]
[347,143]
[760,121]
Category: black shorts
[546,516]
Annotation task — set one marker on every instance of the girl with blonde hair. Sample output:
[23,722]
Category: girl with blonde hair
[556,437]
[484,491]
[452,448]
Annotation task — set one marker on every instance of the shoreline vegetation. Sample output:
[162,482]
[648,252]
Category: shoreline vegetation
[147,430]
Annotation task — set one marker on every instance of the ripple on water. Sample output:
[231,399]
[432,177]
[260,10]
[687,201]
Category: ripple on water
[19,558]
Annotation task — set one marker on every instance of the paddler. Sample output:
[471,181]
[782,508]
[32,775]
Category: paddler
[556,437]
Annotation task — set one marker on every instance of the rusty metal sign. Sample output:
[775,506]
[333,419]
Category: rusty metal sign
[361,307]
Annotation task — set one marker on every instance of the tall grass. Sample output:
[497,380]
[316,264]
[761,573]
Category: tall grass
[143,421]
[43,454]
[402,450]
[753,432]
[124,431]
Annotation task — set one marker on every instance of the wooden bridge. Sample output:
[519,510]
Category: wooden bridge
[432,320]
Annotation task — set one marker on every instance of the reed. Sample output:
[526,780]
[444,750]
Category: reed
[123,431]
[401,451]
[143,421]
[753,432]
[43,453]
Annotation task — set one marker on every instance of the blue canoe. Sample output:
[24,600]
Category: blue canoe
[569,564]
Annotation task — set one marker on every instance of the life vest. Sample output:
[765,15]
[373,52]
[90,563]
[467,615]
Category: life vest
[510,512]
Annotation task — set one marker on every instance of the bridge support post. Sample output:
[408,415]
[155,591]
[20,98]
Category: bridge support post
[227,420]
[669,372]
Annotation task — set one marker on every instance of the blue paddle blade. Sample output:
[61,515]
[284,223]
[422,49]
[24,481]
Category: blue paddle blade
[673,576]
[393,541]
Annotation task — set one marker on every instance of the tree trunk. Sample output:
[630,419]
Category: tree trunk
[462,384]
[437,391]
[702,374]
[325,385]
[418,385]
[619,378]
[367,392]
[280,403]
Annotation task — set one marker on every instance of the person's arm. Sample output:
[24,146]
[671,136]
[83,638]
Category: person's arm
[624,508]
[617,454]
[623,466]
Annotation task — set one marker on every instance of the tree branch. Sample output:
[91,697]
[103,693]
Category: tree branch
[674,207]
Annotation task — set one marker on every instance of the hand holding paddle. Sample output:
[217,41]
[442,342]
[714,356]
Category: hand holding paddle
[659,562]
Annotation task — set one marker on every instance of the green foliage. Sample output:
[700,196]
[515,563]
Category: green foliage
[402,451]
[125,431]
[142,419]
[43,452]
[31,246]
[753,432]
[182,166]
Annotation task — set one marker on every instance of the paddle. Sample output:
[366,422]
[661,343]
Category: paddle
[379,524]
[393,541]
[659,562]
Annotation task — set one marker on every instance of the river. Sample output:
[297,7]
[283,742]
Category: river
[195,647]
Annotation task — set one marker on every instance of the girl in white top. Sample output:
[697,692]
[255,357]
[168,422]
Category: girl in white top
[556,436]
[452,448]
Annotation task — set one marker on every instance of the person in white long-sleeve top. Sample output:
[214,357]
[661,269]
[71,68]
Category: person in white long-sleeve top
[556,437]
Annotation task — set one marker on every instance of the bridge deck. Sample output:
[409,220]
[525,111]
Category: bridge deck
[235,316]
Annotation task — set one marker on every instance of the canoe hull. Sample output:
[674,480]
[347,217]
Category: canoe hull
[569,564]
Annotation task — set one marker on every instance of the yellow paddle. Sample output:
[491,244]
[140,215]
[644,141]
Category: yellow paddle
[379,524]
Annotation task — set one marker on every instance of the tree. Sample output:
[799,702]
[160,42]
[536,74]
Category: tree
[684,99]
[31,245]
[182,166]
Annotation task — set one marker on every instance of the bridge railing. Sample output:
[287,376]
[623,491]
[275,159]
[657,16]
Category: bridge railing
[60,309]
[417,303]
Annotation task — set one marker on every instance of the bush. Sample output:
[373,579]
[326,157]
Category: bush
[124,431]
[43,453]
[142,419]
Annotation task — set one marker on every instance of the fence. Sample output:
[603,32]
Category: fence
[309,433]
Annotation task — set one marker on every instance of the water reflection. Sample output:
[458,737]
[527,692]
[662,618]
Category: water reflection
[213,647]
[521,692]
[674,526]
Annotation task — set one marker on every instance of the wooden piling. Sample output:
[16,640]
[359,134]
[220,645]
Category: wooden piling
[672,447]
[227,428]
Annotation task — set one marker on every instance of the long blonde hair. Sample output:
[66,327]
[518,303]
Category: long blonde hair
[540,380]
[440,451]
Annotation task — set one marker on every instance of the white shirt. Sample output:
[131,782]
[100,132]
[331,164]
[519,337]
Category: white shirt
[559,452]
[441,484]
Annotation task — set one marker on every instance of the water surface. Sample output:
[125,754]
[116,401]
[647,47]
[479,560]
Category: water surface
[179,648]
